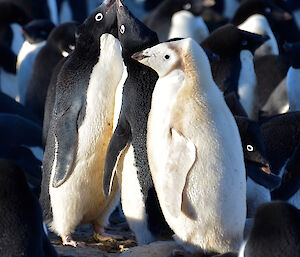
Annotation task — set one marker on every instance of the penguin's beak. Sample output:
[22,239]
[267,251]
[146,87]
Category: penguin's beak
[139,56]
[266,169]
[119,3]
[108,3]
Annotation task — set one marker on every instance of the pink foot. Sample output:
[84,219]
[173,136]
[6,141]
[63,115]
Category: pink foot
[67,240]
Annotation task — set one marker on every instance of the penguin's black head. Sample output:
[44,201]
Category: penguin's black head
[134,36]
[37,30]
[228,41]
[292,50]
[102,20]
[63,38]
[12,13]
[264,7]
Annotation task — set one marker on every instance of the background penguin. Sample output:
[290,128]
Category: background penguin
[21,221]
[80,129]
[276,232]
[75,10]
[35,34]
[175,151]
[235,71]
[127,151]
[60,44]
[289,188]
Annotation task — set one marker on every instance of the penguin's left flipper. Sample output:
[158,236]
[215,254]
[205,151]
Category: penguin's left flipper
[117,144]
[66,139]
[181,156]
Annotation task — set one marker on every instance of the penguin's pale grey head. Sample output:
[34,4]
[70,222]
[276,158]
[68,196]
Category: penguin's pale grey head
[169,56]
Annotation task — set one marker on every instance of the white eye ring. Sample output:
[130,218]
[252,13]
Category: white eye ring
[99,16]
[187,6]
[122,29]
[250,148]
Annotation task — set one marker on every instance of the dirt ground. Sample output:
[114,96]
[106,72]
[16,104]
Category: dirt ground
[111,248]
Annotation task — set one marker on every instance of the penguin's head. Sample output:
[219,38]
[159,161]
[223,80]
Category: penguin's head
[13,13]
[229,41]
[132,33]
[268,8]
[102,20]
[63,38]
[37,30]
[292,50]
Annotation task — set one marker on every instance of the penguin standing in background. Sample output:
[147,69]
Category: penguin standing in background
[35,34]
[60,44]
[80,129]
[194,150]
[127,151]
[276,232]
[235,70]
[21,220]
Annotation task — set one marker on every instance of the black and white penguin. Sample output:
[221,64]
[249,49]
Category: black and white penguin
[60,43]
[190,151]
[21,220]
[80,129]
[276,232]
[289,189]
[35,34]
[127,151]
[235,70]
[159,20]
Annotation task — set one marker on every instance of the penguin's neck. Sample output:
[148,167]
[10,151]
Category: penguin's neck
[293,88]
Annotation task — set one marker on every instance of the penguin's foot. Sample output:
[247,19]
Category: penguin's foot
[107,237]
[67,240]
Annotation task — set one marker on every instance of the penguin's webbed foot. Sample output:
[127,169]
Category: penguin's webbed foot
[67,240]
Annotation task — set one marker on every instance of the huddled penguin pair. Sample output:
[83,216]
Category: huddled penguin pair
[80,128]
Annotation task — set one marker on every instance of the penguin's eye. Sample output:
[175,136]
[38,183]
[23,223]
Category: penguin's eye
[122,29]
[244,43]
[250,148]
[187,6]
[72,47]
[267,10]
[167,57]
[99,16]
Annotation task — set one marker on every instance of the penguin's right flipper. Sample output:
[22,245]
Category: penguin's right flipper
[66,140]
[117,144]
[181,156]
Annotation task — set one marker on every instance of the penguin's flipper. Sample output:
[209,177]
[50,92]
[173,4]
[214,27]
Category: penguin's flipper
[117,144]
[66,139]
[180,159]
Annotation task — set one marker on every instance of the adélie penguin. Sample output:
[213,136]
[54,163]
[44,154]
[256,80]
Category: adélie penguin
[80,129]
[21,220]
[194,150]
[127,151]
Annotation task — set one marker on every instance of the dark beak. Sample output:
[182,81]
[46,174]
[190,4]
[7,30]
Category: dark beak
[139,56]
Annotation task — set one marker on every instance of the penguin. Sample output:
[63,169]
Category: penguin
[233,103]
[127,150]
[159,20]
[184,24]
[35,34]
[281,134]
[258,24]
[21,222]
[235,70]
[75,10]
[80,129]
[186,140]
[289,189]
[60,44]
[276,232]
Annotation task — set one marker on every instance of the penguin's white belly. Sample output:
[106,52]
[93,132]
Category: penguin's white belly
[258,24]
[256,195]
[133,204]
[17,38]
[213,208]
[247,84]
[293,89]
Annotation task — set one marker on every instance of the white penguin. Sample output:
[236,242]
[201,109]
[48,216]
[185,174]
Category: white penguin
[258,24]
[194,149]
[184,24]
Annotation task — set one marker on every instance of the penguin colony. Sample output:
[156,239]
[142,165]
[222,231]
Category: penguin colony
[186,113]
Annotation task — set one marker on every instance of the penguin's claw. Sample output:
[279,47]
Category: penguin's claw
[67,240]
